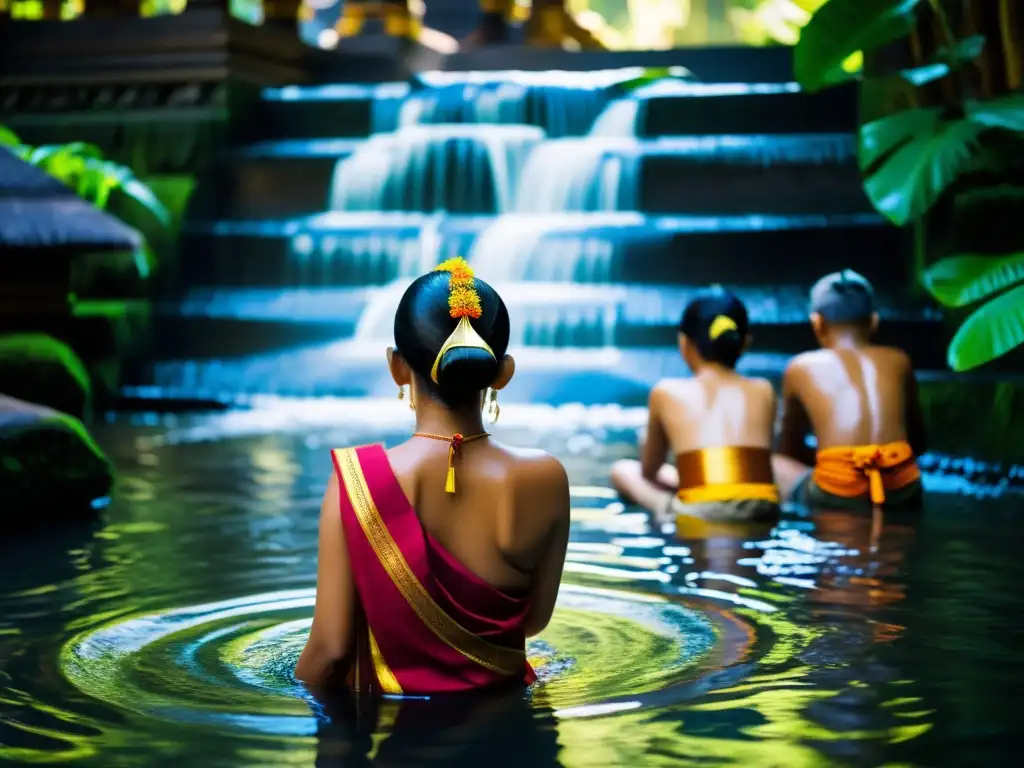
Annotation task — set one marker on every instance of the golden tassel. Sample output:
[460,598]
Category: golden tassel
[454,448]
[449,483]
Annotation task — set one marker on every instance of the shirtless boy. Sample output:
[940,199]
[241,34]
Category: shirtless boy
[860,402]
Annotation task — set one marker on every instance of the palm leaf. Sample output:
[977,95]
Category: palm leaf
[990,332]
[961,280]
[841,28]
[909,181]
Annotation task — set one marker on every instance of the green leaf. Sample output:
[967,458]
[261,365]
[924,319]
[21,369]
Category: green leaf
[107,177]
[961,280]
[909,181]
[929,73]
[841,28]
[881,137]
[650,75]
[990,332]
[967,49]
[43,152]
[8,138]
[1006,112]
[143,195]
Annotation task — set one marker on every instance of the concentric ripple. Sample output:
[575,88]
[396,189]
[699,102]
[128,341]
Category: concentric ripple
[228,664]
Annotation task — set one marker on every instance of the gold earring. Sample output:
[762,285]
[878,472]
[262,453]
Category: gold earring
[412,400]
[493,409]
[401,392]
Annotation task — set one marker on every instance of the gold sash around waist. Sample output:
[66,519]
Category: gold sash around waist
[728,473]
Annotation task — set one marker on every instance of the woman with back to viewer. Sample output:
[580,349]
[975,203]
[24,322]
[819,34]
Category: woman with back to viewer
[717,424]
[438,557]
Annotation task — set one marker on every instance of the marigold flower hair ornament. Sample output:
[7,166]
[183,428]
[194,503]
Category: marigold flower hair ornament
[463,303]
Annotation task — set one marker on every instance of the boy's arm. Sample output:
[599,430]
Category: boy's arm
[795,422]
[916,433]
[655,445]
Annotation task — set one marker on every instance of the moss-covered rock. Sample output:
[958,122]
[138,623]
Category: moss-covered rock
[50,467]
[39,369]
[976,418]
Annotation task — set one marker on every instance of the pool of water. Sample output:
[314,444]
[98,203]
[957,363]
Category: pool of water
[165,633]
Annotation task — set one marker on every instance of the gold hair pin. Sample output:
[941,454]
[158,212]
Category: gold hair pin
[463,303]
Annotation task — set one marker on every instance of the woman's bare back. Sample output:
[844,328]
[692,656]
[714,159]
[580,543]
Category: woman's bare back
[510,506]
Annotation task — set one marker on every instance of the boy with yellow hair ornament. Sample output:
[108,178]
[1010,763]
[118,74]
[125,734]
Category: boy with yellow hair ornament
[717,425]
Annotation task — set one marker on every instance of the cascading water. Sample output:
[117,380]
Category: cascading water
[424,168]
[562,103]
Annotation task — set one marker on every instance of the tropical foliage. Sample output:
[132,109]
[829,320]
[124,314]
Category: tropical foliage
[909,159]
[83,168]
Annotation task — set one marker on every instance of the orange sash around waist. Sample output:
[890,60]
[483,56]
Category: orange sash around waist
[730,473]
[864,470]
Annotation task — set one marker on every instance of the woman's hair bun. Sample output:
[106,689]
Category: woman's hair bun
[725,348]
[430,311]
[717,323]
[463,371]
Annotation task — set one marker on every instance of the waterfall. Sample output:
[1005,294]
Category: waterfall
[619,118]
[553,247]
[427,168]
[580,174]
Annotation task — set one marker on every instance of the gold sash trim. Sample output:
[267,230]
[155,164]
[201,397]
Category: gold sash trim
[727,473]
[388,682]
[729,492]
[506,661]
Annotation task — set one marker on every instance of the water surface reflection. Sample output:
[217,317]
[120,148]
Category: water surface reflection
[166,632]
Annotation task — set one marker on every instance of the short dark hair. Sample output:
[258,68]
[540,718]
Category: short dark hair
[843,297]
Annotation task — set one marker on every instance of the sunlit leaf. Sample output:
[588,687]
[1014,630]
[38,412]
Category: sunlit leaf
[651,75]
[1006,112]
[928,73]
[854,63]
[909,181]
[143,195]
[8,138]
[990,332]
[880,137]
[961,280]
[78,148]
[841,28]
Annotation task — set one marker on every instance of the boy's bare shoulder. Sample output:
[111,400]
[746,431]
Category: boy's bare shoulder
[804,361]
[893,356]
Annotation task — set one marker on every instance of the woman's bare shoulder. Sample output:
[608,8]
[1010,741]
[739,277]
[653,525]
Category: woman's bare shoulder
[534,465]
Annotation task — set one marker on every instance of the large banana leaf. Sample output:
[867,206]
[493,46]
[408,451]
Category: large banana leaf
[881,137]
[990,332]
[918,155]
[841,28]
[961,280]
[910,158]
